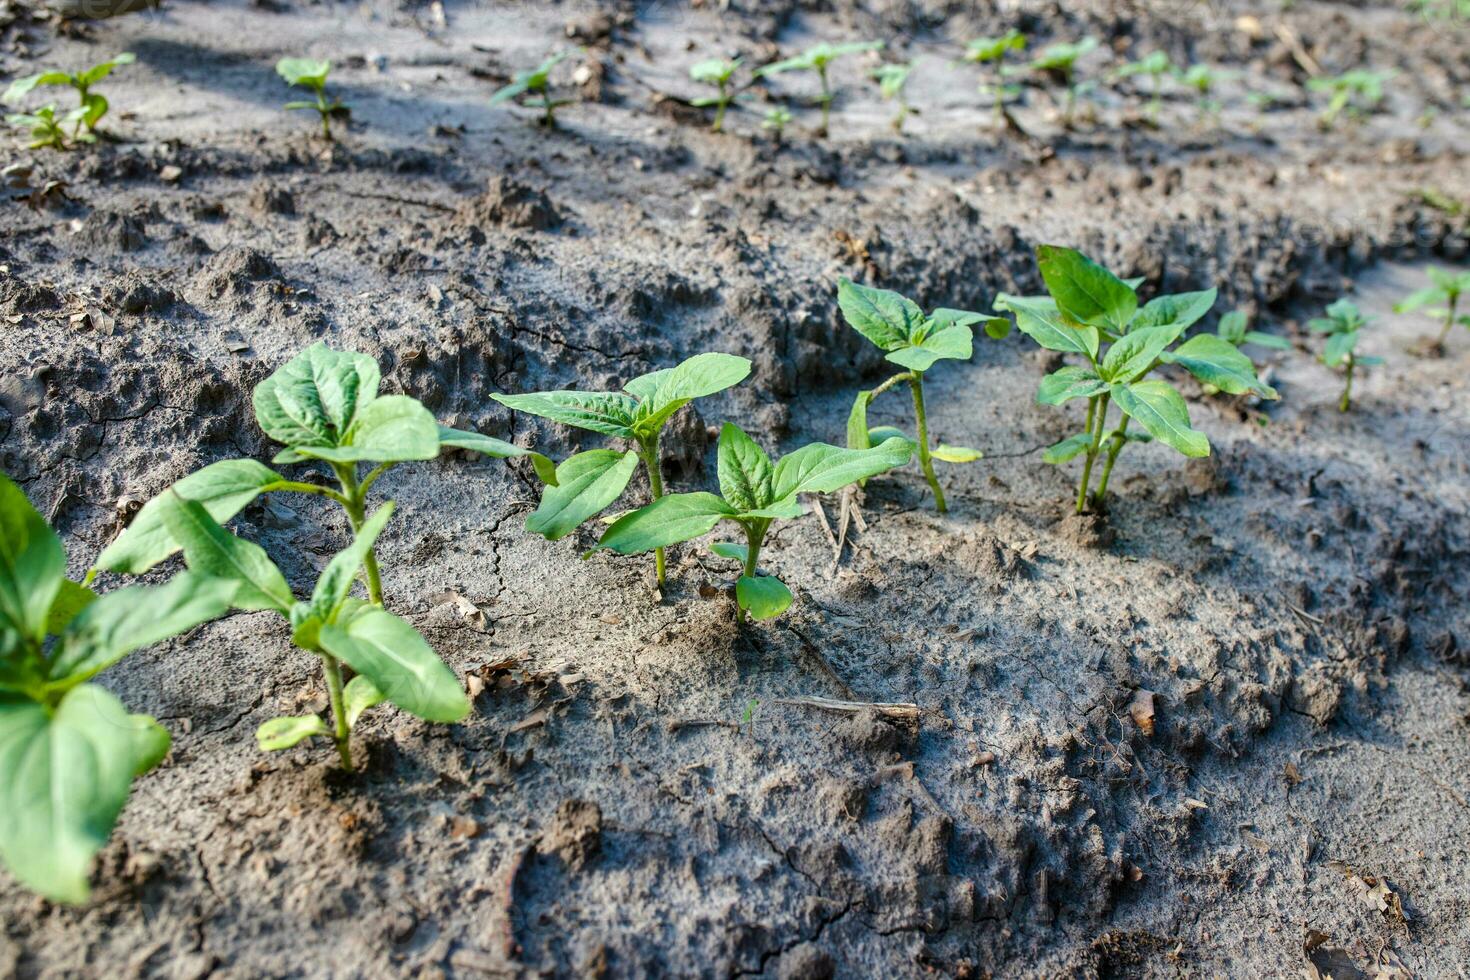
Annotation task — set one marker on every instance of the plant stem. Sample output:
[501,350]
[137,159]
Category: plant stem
[1114,448]
[896,379]
[548,120]
[1449,319]
[1097,420]
[341,734]
[650,452]
[1346,401]
[916,384]
[720,112]
[826,99]
[1070,105]
[755,536]
[355,506]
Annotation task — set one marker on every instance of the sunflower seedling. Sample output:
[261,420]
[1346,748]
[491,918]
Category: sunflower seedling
[818,59]
[1058,62]
[43,126]
[721,74]
[92,106]
[1094,316]
[311,74]
[1447,288]
[1153,67]
[993,51]
[754,492]
[587,483]
[915,342]
[324,406]
[392,661]
[776,120]
[69,749]
[891,79]
[1358,92]
[1234,329]
[1203,79]
[536,81]
[1342,324]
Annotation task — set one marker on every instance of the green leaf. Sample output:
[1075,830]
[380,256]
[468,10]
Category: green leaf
[1179,311]
[312,399]
[858,436]
[98,72]
[662,393]
[729,549]
[1039,319]
[283,733]
[64,778]
[390,652]
[1161,410]
[668,520]
[70,600]
[954,341]
[745,470]
[881,315]
[223,488]
[335,581]
[956,454]
[820,468]
[1267,340]
[1217,362]
[211,550]
[763,597]
[782,510]
[610,413]
[1068,449]
[358,696]
[586,485]
[1423,297]
[1131,355]
[390,429]
[94,107]
[1339,346]
[1084,290]
[32,564]
[307,72]
[498,449]
[1231,327]
[1069,382]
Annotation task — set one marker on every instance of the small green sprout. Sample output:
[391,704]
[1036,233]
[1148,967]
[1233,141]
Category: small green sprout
[587,483]
[311,74]
[1358,92]
[754,492]
[720,73]
[818,59]
[915,342]
[1153,67]
[1089,307]
[776,120]
[1203,79]
[392,661]
[537,81]
[69,749]
[1059,63]
[993,51]
[1234,329]
[43,126]
[1448,287]
[1342,325]
[891,79]
[92,107]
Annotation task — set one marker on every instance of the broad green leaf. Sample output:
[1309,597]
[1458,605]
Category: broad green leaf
[70,600]
[820,468]
[883,433]
[745,470]
[224,488]
[1131,355]
[389,429]
[1339,346]
[335,581]
[1179,311]
[283,733]
[1217,362]
[1084,290]
[133,617]
[32,564]
[1068,449]
[858,436]
[782,510]
[211,550]
[1267,340]
[956,454]
[389,652]
[729,549]
[304,71]
[1069,382]
[312,399]
[881,315]
[996,327]
[64,778]
[610,413]
[954,341]
[1039,319]
[358,696]
[668,520]
[98,72]
[497,448]
[586,485]
[662,393]
[1232,327]
[1161,410]
[762,597]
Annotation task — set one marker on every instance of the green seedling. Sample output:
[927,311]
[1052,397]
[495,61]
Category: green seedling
[1153,67]
[1447,288]
[324,406]
[391,660]
[754,492]
[92,107]
[1058,62]
[891,79]
[1342,324]
[1358,92]
[1094,316]
[719,73]
[42,125]
[312,75]
[1203,79]
[69,749]
[1234,329]
[993,51]
[537,81]
[587,483]
[818,59]
[915,342]
[776,120]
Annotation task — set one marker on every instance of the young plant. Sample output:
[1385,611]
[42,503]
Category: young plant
[1153,67]
[1234,329]
[1448,287]
[92,106]
[537,81]
[324,406]
[1094,316]
[817,59]
[1357,91]
[719,73]
[391,660]
[916,343]
[43,126]
[993,51]
[1203,79]
[754,492]
[587,483]
[776,120]
[312,75]
[891,79]
[69,749]
[1058,62]
[1342,325]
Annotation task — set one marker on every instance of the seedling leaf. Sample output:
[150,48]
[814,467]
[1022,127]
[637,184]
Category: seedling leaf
[763,597]
[360,694]
[1084,290]
[956,454]
[399,662]
[609,413]
[497,448]
[1070,382]
[211,550]
[1217,362]
[1068,449]
[668,520]
[32,564]
[745,471]
[1161,410]
[282,733]
[820,468]
[881,315]
[586,484]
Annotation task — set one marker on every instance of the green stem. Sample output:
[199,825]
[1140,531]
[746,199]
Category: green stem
[341,734]
[916,384]
[1346,401]
[1156,104]
[548,120]
[826,99]
[649,450]
[899,378]
[1070,105]
[755,536]
[1097,420]
[720,112]
[295,486]
[1115,446]
[1449,319]
[355,505]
